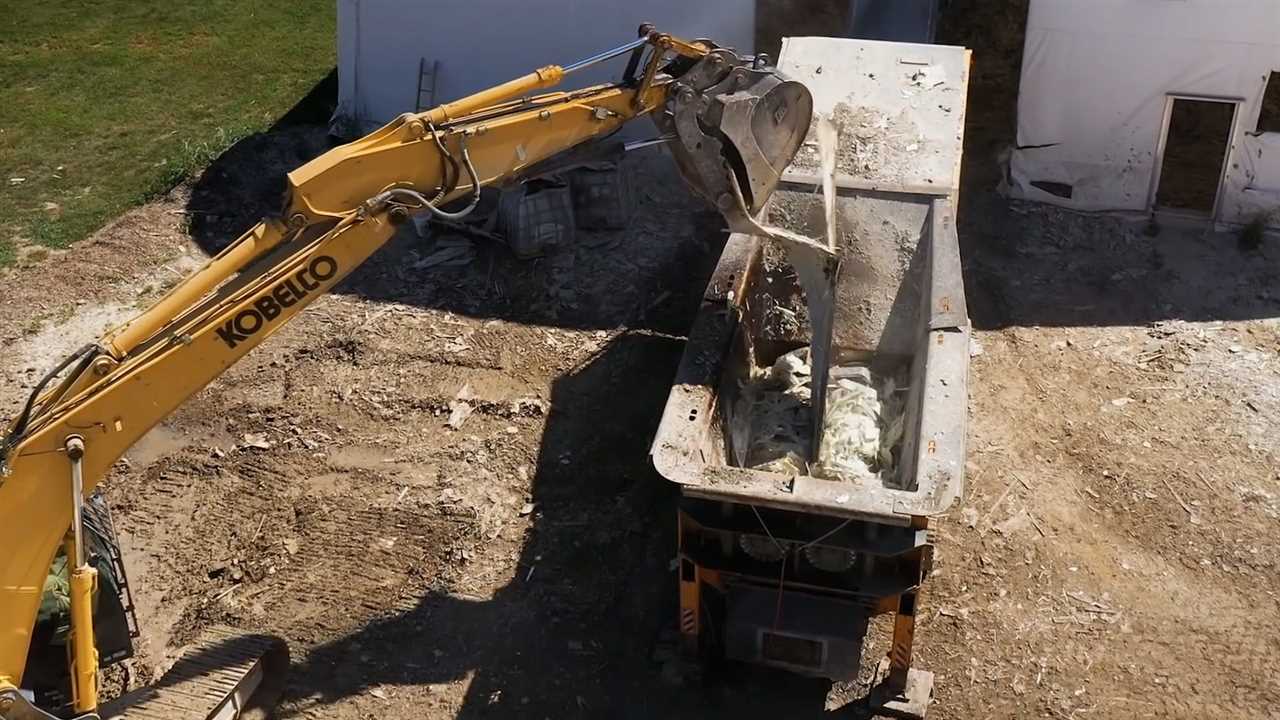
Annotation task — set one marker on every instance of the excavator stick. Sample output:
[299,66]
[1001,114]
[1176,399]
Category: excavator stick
[736,122]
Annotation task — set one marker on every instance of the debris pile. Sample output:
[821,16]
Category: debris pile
[862,428]
[772,417]
[863,424]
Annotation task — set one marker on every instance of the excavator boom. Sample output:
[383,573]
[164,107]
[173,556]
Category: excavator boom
[733,124]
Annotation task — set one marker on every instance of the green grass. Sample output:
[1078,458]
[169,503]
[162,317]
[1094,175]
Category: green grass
[105,105]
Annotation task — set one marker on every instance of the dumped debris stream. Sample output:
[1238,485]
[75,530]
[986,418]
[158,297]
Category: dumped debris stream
[784,431]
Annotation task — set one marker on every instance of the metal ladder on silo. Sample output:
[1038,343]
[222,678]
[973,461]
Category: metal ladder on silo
[427,73]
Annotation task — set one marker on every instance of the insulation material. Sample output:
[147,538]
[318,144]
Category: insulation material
[863,424]
[775,419]
[1096,81]
[861,428]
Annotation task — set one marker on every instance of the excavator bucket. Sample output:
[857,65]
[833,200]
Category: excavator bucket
[738,124]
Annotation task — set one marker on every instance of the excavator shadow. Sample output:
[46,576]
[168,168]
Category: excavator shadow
[579,631]
[1035,265]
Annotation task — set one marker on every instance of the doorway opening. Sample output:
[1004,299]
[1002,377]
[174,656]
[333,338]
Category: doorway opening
[1197,140]
[1269,115]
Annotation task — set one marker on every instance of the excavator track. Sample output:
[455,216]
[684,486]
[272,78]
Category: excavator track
[224,675]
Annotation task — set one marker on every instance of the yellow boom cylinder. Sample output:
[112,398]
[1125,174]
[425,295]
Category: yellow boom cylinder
[539,79]
[81,648]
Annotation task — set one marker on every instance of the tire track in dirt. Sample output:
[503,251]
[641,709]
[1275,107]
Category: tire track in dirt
[238,542]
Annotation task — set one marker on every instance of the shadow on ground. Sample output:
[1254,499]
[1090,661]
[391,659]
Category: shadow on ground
[1029,265]
[578,632]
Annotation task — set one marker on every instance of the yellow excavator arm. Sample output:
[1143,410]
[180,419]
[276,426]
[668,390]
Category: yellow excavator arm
[734,125]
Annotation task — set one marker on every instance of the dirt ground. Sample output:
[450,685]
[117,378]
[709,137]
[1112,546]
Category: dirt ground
[1116,549]
[1114,554]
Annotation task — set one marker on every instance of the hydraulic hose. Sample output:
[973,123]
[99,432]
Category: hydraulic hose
[422,202]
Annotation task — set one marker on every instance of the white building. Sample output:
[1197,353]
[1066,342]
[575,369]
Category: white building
[1142,105]
[384,45]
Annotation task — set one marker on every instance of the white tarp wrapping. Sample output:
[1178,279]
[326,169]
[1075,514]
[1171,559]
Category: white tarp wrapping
[1096,77]
[481,43]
